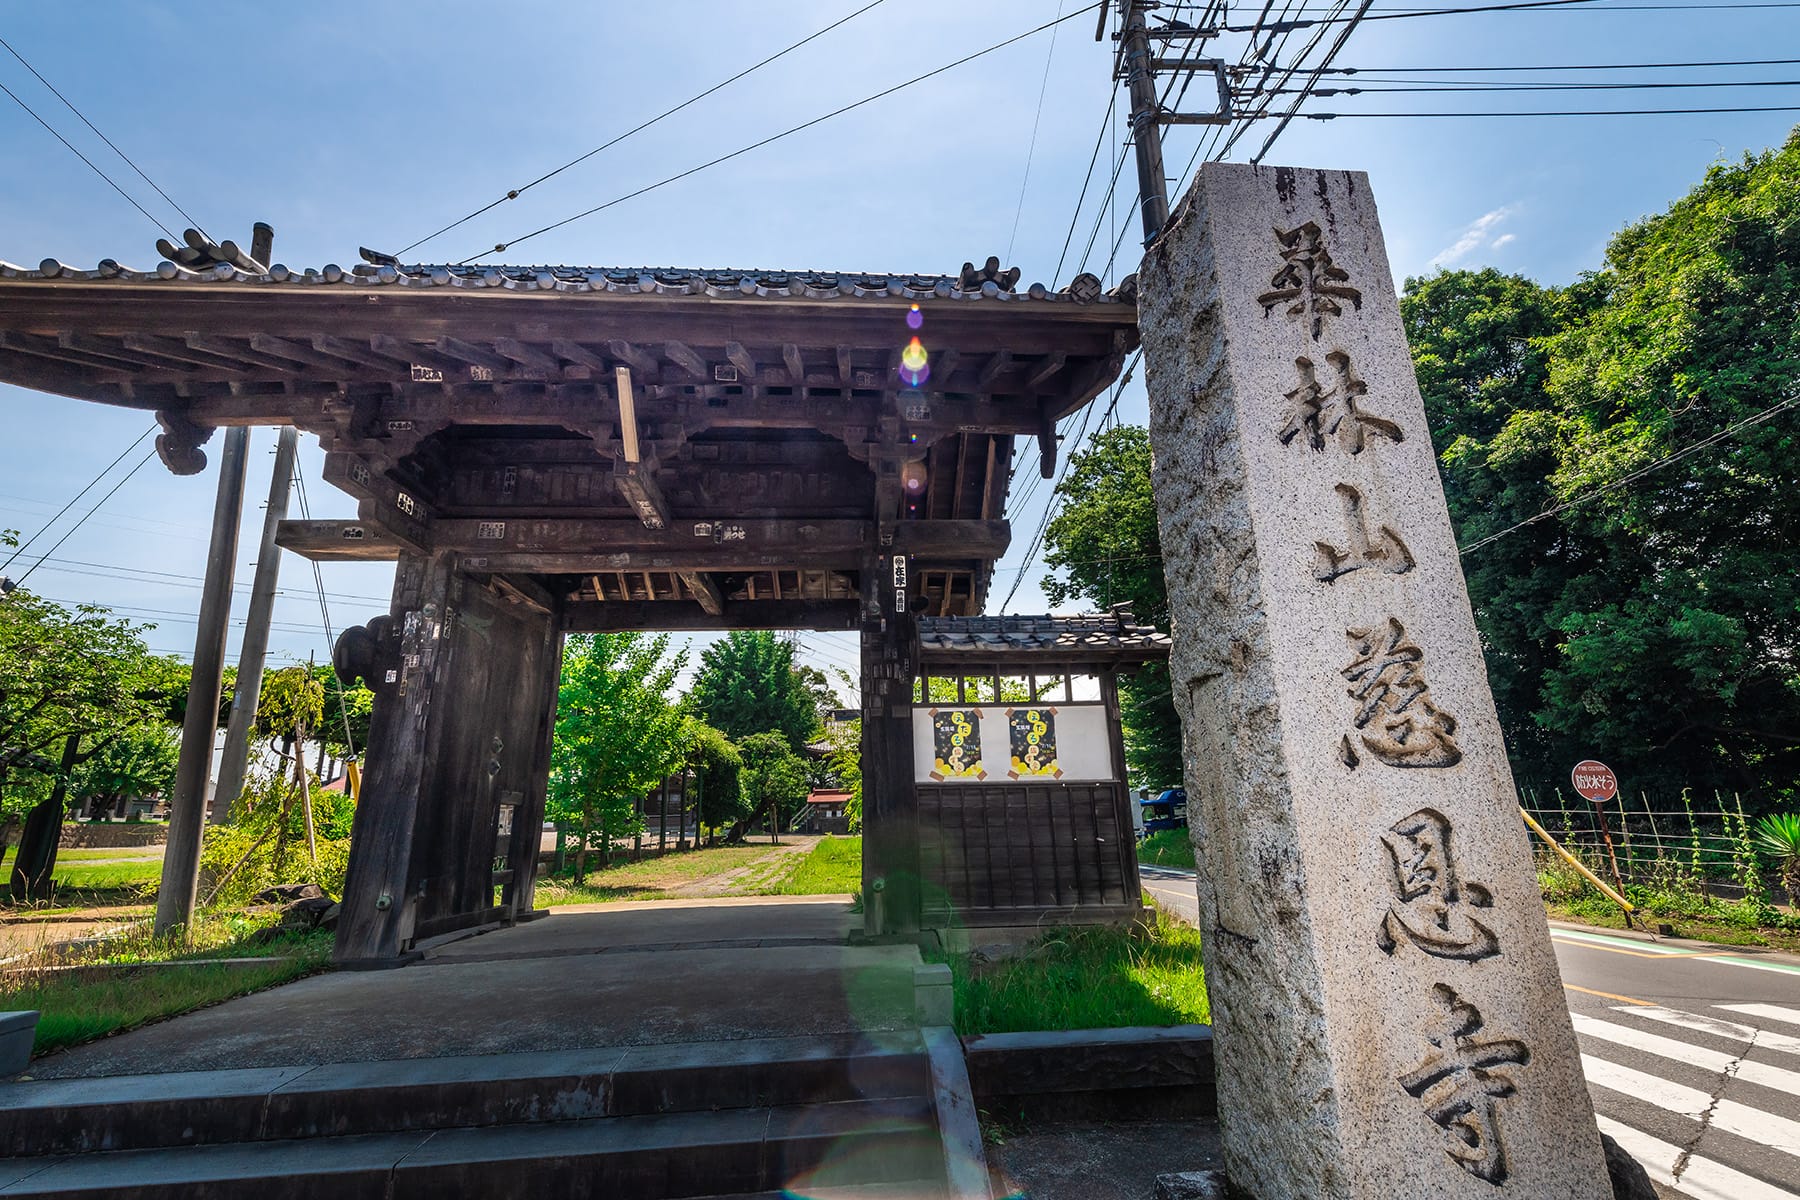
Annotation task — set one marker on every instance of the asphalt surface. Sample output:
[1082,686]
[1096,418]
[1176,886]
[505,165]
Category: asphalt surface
[1692,1052]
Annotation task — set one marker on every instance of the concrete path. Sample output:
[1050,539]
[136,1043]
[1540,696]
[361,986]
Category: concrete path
[602,975]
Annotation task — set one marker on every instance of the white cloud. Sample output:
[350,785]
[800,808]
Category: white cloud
[1478,233]
[1503,239]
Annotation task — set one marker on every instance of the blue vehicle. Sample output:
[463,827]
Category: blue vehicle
[1166,811]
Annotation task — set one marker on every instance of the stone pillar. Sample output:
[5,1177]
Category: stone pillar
[1389,1017]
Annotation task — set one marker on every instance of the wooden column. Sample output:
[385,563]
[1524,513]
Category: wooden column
[1115,731]
[462,729]
[890,641]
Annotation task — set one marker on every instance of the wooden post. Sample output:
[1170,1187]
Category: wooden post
[890,801]
[187,807]
[1115,732]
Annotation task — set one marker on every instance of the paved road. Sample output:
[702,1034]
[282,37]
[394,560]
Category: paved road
[1692,1053]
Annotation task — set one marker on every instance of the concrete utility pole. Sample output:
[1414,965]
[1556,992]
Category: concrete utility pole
[1146,122]
[245,696]
[187,808]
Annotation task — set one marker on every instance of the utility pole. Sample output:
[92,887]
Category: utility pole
[235,761]
[187,809]
[1146,120]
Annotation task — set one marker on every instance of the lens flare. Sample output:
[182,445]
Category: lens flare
[914,318]
[915,366]
[912,475]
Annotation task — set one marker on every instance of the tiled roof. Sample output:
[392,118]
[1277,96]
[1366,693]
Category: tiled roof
[973,283]
[1114,634]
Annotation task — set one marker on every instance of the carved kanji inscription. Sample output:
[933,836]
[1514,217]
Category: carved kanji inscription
[1331,407]
[1309,284]
[1461,1081]
[1384,551]
[1396,720]
[1431,904]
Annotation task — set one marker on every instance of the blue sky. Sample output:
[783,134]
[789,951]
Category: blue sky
[347,124]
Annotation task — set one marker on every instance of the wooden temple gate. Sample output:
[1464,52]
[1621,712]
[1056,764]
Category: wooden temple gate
[554,450]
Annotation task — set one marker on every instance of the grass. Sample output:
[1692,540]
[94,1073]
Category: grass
[1691,913]
[1167,848]
[834,867]
[1086,977]
[106,877]
[651,879]
[117,852]
[79,1006]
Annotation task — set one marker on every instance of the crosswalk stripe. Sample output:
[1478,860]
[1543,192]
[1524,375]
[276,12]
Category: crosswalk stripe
[1765,1128]
[1768,1012]
[1703,1179]
[1760,1074]
[1717,1028]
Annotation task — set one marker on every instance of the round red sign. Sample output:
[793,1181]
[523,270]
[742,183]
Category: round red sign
[1594,781]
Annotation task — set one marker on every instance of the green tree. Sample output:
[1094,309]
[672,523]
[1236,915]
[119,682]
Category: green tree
[774,778]
[71,680]
[617,735]
[717,773]
[1684,658]
[1105,541]
[139,762]
[747,684]
[1480,348]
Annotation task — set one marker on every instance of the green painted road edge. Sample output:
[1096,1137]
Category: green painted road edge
[1581,935]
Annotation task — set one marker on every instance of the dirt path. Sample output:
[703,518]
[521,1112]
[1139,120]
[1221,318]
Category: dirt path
[747,878]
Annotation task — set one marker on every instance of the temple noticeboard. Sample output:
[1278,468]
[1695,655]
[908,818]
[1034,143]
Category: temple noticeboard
[1019,769]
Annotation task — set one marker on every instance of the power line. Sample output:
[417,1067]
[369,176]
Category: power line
[837,112]
[1031,147]
[1582,112]
[90,162]
[1659,66]
[1408,85]
[299,482]
[1559,5]
[112,491]
[69,566]
[515,193]
[109,142]
[1093,159]
[104,471]
[1632,477]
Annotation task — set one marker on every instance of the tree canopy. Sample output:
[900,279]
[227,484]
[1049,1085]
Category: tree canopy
[1105,541]
[617,734]
[1651,621]
[748,684]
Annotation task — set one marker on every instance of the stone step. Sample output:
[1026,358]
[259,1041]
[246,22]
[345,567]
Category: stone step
[192,1108]
[874,1149]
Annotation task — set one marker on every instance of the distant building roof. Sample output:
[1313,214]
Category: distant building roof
[1110,638]
[825,797]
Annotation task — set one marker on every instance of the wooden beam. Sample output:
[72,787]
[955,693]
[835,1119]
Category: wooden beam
[1046,439]
[338,541]
[706,592]
[473,355]
[583,546]
[1041,373]
[586,616]
[637,484]
[843,365]
[357,353]
[169,347]
[104,348]
[580,355]
[683,356]
[636,357]
[742,359]
[527,593]
[530,357]
[294,352]
[384,502]
[796,366]
[997,362]
[226,348]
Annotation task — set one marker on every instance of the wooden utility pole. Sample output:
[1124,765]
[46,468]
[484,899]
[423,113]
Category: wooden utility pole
[235,760]
[187,810]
